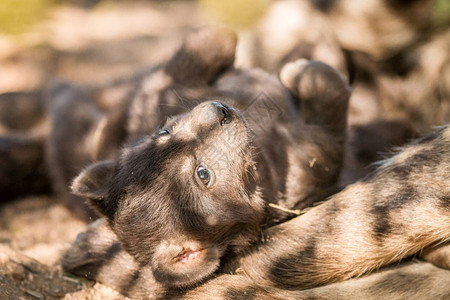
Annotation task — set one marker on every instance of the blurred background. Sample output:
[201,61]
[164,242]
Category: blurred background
[395,54]
[94,40]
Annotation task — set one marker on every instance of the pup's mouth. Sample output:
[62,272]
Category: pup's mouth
[183,264]
[189,255]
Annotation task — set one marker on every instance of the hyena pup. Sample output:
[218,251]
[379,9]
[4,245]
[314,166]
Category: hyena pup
[187,195]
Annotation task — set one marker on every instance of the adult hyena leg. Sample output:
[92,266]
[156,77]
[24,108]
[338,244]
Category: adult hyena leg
[322,94]
[403,207]
[97,255]
[407,281]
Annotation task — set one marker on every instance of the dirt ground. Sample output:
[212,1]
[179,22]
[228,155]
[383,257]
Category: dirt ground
[34,231]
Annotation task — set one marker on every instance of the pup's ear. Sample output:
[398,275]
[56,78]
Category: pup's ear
[92,184]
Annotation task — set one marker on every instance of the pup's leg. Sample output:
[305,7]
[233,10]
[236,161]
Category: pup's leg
[203,56]
[318,136]
[182,82]
[97,255]
[321,92]
[23,131]
[75,121]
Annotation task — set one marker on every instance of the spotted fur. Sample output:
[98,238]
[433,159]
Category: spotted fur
[398,211]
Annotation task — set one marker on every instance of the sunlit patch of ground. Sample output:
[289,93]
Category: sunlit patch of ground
[34,232]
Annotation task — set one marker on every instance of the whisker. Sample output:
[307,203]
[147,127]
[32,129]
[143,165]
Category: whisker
[172,105]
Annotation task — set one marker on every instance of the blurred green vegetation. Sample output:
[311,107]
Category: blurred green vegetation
[442,12]
[17,16]
[236,13]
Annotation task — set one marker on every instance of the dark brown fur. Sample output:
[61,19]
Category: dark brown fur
[23,130]
[197,114]
[164,216]
[364,227]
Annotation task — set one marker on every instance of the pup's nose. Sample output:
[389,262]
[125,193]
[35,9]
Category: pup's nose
[214,112]
[223,112]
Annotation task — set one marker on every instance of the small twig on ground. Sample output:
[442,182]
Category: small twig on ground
[290,211]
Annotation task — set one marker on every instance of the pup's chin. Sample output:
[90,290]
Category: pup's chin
[182,265]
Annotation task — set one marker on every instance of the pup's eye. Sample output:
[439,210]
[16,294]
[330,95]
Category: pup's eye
[164,132]
[204,175]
